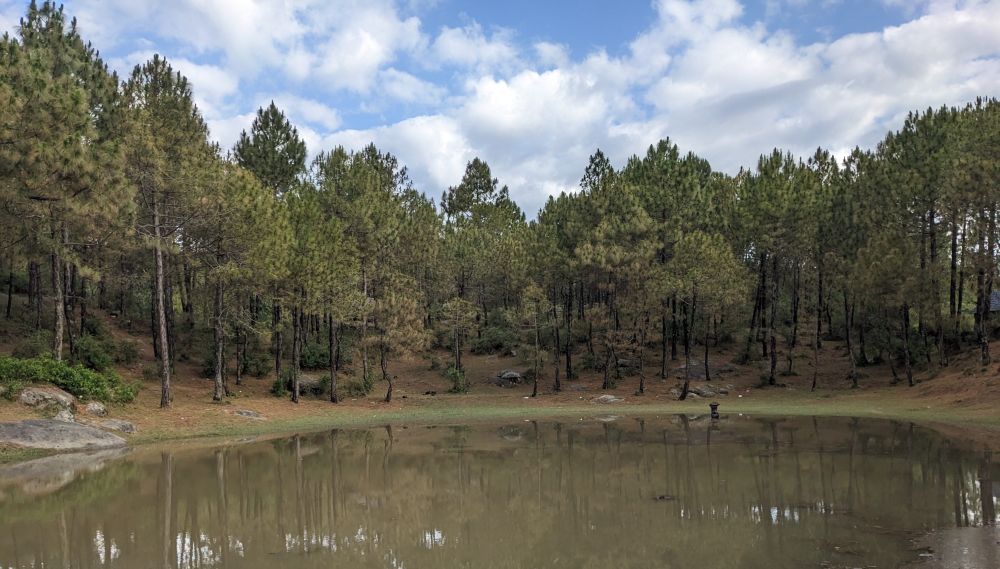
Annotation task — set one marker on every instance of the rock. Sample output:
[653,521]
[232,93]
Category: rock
[47,397]
[65,415]
[704,391]
[46,475]
[118,425]
[56,435]
[308,385]
[96,408]
[510,375]
[606,399]
[511,433]
[508,378]
[675,392]
[249,414]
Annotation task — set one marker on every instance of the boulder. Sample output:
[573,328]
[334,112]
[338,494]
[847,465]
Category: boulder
[508,378]
[65,415]
[606,399]
[308,385]
[49,434]
[249,414]
[118,425]
[48,398]
[96,408]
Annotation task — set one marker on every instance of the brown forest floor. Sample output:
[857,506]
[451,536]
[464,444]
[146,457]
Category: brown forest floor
[962,397]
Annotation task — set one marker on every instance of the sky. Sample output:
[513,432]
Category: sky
[534,87]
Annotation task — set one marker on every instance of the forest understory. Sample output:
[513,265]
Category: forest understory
[962,396]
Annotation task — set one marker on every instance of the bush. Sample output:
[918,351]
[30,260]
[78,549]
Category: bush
[208,366]
[315,356]
[151,372]
[95,327]
[127,352]
[495,340]
[434,361]
[78,380]
[353,388]
[36,345]
[459,383]
[257,364]
[93,353]
[278,388]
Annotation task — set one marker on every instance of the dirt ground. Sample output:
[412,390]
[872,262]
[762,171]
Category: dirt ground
[962,394]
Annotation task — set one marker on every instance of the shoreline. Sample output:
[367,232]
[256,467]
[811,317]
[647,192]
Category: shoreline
[319,415]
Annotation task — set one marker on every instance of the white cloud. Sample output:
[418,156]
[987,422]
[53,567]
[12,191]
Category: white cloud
[402,86]
[703,75]
[469,46]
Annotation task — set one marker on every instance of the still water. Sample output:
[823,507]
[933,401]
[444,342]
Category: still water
[672,492]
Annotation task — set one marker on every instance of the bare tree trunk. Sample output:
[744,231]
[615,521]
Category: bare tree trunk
[59,302]
[161,312]
[708,375]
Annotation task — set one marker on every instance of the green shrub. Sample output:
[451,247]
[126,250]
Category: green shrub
[95,327]
[435,362]
[78,380]
[127,352]
[353,388]
[208,366]
[257,364]
[315,356]
[36,345]
[278,388]
[93,353]
[495,340]
[151,372]
[459,383]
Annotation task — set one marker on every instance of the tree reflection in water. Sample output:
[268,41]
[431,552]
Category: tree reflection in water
[668,492]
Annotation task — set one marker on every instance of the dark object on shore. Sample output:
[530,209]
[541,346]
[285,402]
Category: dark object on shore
[715,410]
[665,498]
[431,393]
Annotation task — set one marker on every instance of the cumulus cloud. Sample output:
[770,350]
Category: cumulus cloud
[703,73]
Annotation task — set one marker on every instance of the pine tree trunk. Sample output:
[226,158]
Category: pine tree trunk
[752,330]
[569,335]
[708,375]
[819,324]
[663,339]
[83,304]
[59,300]
[772,333]
[296,350]
[385,370]
[10,288]
[850,349]
[673,328]
[161,315]
[69,294]
[333,346]
[906,344]
[278,340]
[217,337]
[538,347]
[952,289]
[687,348]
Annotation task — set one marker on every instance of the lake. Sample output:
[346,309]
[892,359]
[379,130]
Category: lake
[608,492]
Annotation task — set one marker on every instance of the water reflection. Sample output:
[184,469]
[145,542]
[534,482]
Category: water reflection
[673,492]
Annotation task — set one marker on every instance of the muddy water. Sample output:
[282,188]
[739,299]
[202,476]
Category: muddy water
[671,492]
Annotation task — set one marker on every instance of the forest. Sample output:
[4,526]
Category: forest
[268,258]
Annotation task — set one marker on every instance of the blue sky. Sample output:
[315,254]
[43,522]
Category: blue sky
[534,87]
